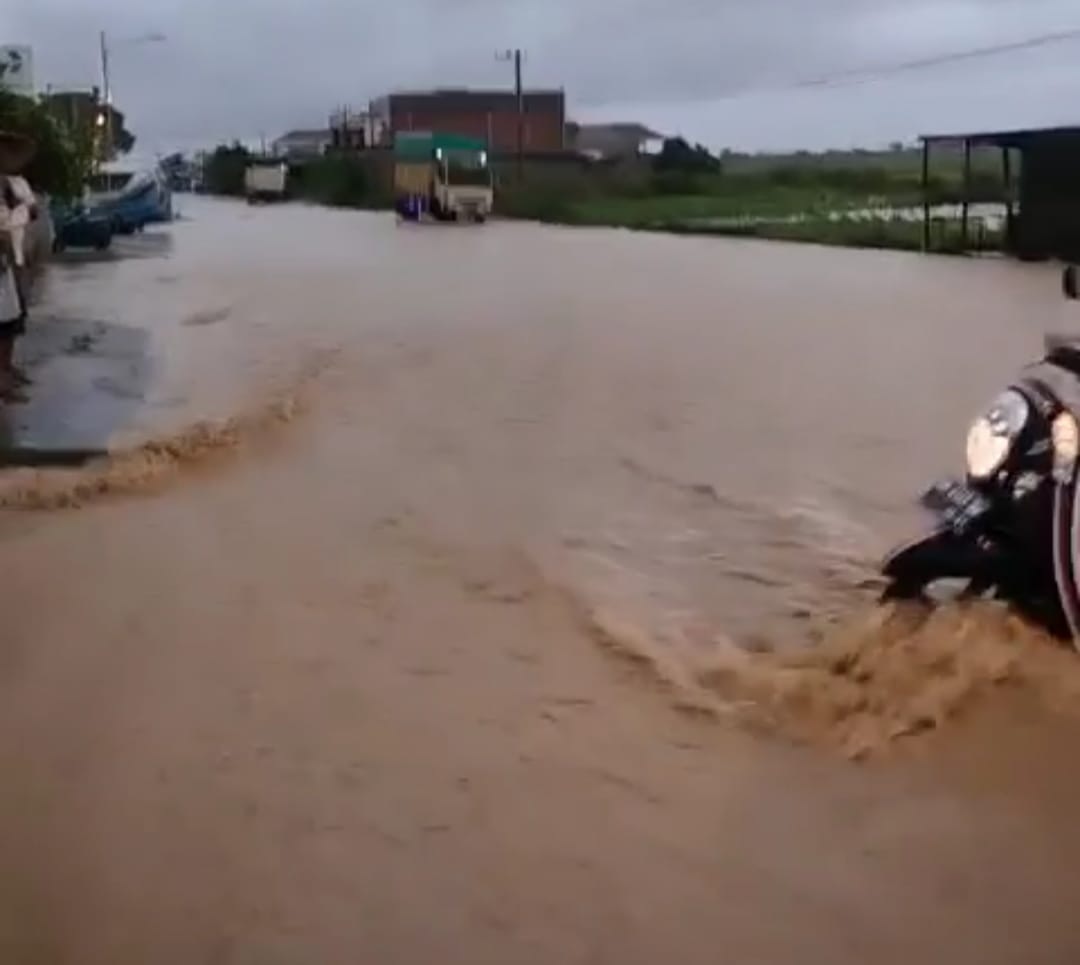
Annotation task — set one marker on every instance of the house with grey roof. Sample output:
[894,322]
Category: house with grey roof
[613,141]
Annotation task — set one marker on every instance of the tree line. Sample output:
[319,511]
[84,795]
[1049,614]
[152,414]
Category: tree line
[68,130]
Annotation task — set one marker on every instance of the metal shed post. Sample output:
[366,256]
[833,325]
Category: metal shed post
[926,194]
[1006,172]
[967,195]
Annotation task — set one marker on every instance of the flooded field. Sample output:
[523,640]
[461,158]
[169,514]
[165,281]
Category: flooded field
[329,637]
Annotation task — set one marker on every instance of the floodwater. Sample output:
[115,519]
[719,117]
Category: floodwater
[317,667]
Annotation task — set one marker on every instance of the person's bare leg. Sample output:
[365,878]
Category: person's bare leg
[22,286]
[7,375]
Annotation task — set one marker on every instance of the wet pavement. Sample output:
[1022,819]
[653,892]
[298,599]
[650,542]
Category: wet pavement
[89,380]
[326,687]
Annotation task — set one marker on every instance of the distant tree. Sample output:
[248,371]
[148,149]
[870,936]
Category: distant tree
[87,119]
[223,172]
[677,155]
[173,162]
[123,139]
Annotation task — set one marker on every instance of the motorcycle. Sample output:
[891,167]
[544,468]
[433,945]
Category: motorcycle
[1011,528]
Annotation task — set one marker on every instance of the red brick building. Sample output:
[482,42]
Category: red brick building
[488,114]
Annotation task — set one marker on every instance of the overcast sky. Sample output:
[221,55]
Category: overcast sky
[241,68]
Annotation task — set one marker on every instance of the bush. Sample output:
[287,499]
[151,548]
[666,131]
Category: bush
[536,203]
[675,183]
[224,170]
[338,180]
[677,155]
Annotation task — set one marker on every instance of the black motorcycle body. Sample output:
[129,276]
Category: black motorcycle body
[1011,528]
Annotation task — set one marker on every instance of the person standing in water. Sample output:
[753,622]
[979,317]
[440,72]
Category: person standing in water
[12,324]
[16,212]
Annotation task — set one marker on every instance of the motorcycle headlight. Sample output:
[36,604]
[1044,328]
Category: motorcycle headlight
[1065,434]
[993,434]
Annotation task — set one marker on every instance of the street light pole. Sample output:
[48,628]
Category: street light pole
[106,85]
[106,93]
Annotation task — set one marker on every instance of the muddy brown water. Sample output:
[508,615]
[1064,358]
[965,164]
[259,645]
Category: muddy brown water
[318,667]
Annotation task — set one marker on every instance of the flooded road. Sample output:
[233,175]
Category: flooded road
[319,679]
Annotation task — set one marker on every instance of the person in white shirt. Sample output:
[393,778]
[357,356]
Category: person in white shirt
[23,211]
[12,323]
[17,210]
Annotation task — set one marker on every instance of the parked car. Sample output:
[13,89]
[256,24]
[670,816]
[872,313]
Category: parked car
[77,227]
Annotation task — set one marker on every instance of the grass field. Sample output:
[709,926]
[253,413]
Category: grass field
[797,199]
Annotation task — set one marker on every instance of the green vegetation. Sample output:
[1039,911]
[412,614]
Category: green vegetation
[223,172]
[338,180]
[61,162]
[896,233]
[78,112]
[341,181]
[855,198]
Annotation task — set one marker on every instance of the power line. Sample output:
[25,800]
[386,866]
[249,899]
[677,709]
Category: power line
[862,74]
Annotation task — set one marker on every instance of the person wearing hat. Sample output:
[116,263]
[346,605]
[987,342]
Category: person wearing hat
[17,210]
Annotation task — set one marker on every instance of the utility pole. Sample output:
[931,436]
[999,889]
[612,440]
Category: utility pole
[516,56]
[106,92]
[106,84]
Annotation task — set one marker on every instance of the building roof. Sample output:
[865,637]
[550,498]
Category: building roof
[466,99]
[306,135]
[613,139]
[1008,138]
[619,129]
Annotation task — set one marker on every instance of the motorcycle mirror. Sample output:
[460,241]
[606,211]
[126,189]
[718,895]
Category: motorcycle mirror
[1070,282]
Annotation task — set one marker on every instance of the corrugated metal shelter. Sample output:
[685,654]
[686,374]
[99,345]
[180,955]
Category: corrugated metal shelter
[1041,175]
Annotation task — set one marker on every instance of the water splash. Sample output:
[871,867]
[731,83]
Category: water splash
[883,676]
[144,468]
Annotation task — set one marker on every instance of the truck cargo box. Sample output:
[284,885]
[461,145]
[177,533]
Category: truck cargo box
[412,177]
[266,181]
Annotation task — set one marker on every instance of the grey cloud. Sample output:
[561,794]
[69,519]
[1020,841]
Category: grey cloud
[241,67]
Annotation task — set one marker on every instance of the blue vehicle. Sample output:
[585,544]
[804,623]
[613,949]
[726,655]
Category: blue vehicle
[75,227]
[130,197]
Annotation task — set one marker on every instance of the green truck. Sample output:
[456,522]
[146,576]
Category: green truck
[443,176]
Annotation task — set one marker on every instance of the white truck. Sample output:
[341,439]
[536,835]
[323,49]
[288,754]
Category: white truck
[266,181]
[444,176]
